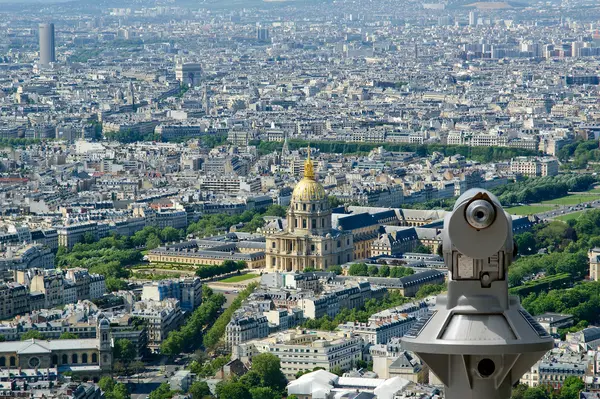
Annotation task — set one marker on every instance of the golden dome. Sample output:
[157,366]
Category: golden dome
[308,189]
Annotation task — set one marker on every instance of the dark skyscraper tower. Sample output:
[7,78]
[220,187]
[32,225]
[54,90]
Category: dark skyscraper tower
[47,44]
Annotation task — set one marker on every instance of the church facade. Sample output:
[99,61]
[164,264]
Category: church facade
[87,356]
[306,237]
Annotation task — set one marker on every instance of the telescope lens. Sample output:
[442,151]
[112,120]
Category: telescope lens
[480,214]
[486,367]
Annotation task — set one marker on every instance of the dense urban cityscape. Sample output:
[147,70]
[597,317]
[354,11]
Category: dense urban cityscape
[250,199]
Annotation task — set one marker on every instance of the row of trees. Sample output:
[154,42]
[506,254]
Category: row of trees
[362,269]
[216,224]
[131,136]
[481,154]
[579,154]
[217,330]
[570,390]
[113,390]
[109,256]
[542,188]
[567,244]
[582,301]
[187,338]
[216,270]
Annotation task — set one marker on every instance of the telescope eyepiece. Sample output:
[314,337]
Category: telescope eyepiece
[480,214]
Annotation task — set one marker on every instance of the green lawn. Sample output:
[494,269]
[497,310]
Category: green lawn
[528,209]
[237,279]
[572,199]
[570,216]
[594,190]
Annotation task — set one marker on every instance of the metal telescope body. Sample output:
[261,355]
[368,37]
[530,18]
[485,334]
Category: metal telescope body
[477,339]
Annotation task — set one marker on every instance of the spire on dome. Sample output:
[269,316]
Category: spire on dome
[309,170]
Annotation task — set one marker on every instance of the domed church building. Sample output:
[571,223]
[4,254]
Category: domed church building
[306,238]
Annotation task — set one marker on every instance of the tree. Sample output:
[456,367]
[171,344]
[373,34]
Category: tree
[334,201]
[124,350]
[153,241]
[35,334]
[373,270]
[536,393]
[422,249]
[169,234]
[337,370]
[268,366]
[114,284]
[275,210]
[526,243]
[199,390]
[231,390]
[430,289]
[384,271]
[358,269]
[337,269]
[162,392]
[571,388]
[206,292]
[106,384]
[88,238]
[251,379]
[68,335]
[121,392]
[264,393]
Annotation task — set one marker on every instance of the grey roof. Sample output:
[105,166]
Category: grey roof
[31,346]
[591,334]
[356,221]
[422,277]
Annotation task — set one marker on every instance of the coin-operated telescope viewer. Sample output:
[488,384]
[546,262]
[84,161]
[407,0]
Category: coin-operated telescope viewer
[477,339]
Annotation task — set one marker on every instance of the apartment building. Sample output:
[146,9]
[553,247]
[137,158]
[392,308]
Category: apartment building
[161,317]
[14,300]
[390,360]
[71,234]
[187,290]
[395,242]
[379,331]
[304,350]
[27,256]
[246,326]
[534,167]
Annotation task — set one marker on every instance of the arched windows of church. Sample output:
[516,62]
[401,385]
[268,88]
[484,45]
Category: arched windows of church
[2,361]
[54,360]
[94,358]
[74,358]
[65,359]
[84,358]
[13,361]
